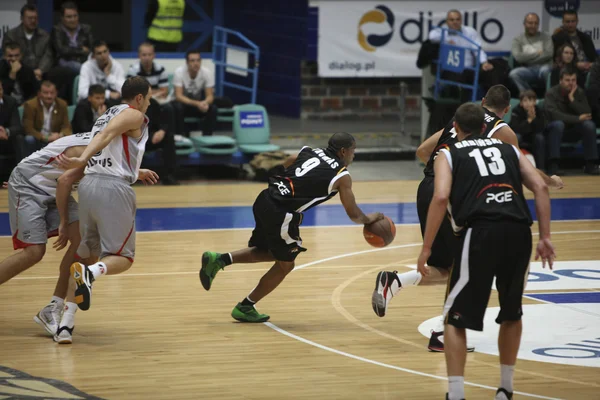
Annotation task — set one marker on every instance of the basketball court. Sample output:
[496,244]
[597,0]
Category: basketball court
[154,333]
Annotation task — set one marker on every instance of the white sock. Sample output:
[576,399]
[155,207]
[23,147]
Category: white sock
[506,377]
[410,278]
[456,387]
[68,318]
[57,300]
[98,269]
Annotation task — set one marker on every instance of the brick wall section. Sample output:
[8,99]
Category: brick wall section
[356,98]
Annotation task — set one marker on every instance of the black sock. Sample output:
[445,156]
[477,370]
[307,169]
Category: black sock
[226,258]
[248,302]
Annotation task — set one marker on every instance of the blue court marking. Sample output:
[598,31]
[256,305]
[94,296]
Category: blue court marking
[566,298]
[170,219]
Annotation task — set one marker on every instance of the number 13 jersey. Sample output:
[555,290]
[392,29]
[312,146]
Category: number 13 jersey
[308,181]
[486,182]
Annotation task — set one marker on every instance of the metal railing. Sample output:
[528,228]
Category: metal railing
[443,65]
[221,43]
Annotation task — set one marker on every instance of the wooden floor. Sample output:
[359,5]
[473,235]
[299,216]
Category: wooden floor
[154,333]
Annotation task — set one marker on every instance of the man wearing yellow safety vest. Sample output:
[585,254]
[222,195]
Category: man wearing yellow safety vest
[164,19]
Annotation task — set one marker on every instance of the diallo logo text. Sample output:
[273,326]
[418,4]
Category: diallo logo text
[380,15]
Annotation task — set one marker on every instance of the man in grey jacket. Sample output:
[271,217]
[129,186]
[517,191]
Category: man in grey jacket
[532,51]
[570,119]
[34,42]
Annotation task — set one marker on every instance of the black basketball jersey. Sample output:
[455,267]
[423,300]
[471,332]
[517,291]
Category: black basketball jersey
[486,182]
[492,124]
[308,181]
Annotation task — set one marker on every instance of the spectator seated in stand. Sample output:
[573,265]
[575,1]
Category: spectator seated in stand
[570,120]
[566,58]
[527,121]
[33,41]
[18,80]
[11,131]
[45,118]
[88,110]
[103,70]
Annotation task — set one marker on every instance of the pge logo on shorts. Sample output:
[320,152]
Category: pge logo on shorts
[381,14]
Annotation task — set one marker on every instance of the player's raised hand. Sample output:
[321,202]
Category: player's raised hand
[545,251]
[64,162]
[147,176]
[423,257]
[558,182]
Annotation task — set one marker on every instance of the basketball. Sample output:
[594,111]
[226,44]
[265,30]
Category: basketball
[380,233]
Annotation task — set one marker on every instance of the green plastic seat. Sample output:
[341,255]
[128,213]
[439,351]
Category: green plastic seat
[251,129]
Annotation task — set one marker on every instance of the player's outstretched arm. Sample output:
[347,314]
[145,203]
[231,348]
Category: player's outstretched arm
[437,208]
[63,192]
[344,187]
[507,135]
[428,146]
[128,120]
[533,181]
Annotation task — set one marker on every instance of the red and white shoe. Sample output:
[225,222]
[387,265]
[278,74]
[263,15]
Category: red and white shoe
[382,295]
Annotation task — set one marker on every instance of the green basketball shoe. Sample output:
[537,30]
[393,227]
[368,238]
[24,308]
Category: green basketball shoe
[248,314]
[211,264]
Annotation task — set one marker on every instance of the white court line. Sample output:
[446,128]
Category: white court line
[380,364]
[295,269]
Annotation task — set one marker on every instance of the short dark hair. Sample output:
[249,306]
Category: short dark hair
[147,44]
[133,86]
[568,70]
[340,140]
[571,12]
[12,45]
[96,89]
[497,97]
[28,7]
[47,83]
[98,43]
[470,118]
[528,94]
[68,5]
[189,52]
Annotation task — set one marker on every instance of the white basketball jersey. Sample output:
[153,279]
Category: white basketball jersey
[39,168]
[123,155]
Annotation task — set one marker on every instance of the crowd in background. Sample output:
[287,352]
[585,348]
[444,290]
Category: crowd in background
[563,69]
[58,83]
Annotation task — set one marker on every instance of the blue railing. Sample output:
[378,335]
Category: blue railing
[221,43]
[452,58]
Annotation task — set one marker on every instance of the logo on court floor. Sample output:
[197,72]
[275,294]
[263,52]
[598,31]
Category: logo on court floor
[16,384]
[562,327]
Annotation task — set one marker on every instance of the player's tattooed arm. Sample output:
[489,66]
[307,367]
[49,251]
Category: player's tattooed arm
[428,146]
[344,187]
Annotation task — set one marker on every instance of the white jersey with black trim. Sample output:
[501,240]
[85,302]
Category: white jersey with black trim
[122,157]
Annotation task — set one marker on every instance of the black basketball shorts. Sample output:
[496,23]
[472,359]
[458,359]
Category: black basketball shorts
[445,243]
[276,230]
[488,249]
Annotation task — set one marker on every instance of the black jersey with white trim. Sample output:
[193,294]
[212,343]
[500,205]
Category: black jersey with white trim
[492,124]
[486,182]
[308,181]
